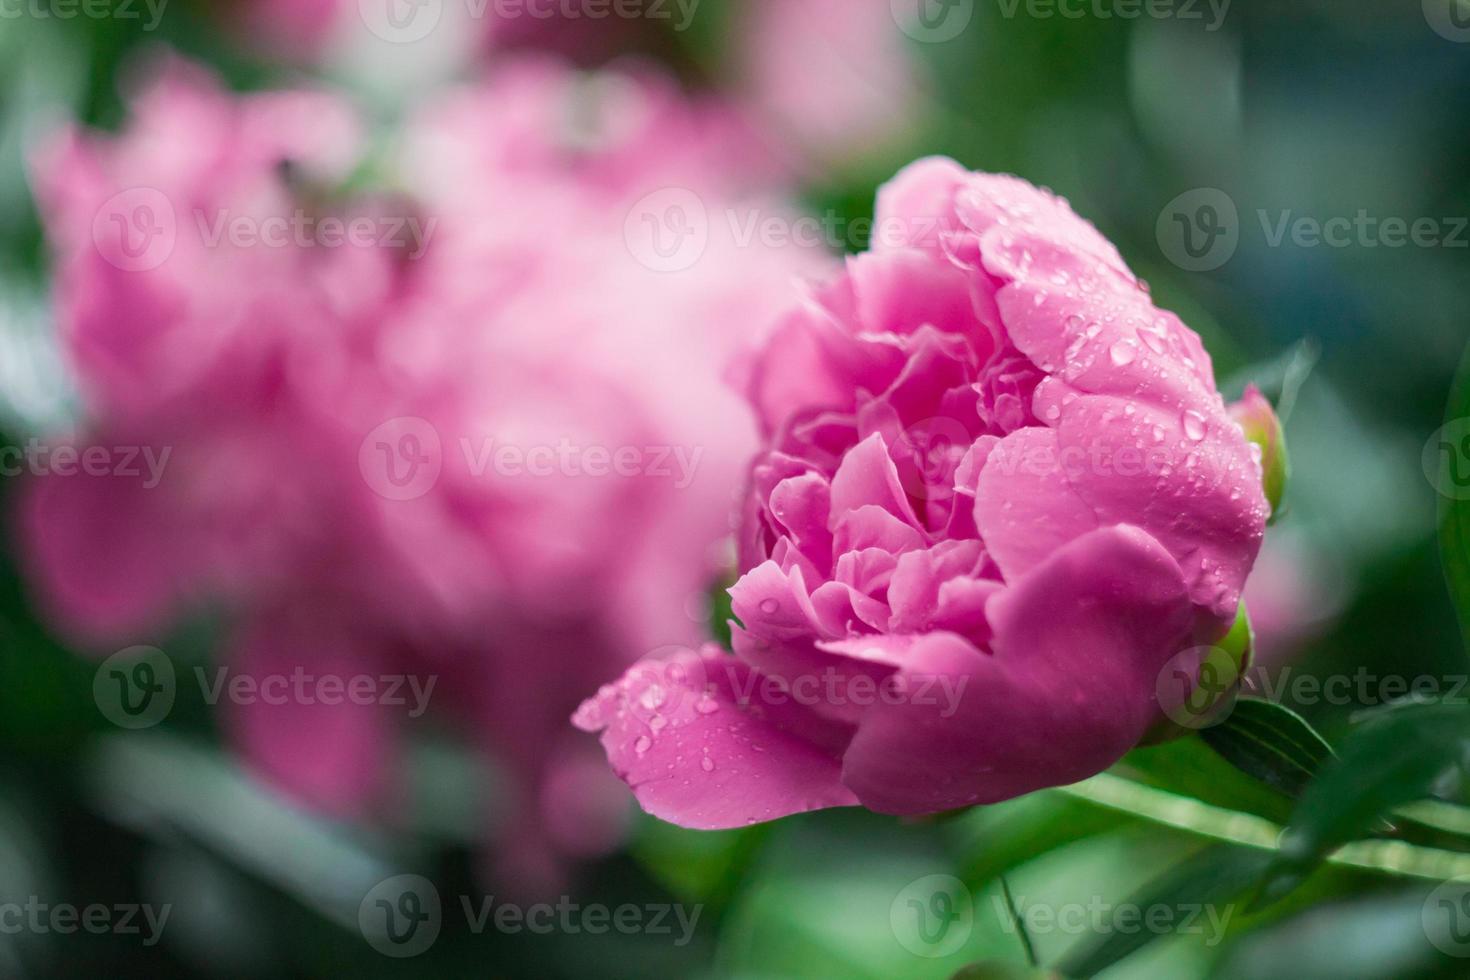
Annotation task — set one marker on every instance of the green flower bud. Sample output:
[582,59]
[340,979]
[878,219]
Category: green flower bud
[1255,417]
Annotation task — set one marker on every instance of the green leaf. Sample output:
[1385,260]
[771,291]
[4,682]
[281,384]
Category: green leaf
[721,610]
[1188,767]
[992,840]
[1213,877]
[1395,758]
[1454,508]
[1271,743]
[996,970]
[1353,936]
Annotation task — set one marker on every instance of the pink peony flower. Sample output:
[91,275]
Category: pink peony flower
[999,493]
[495,451]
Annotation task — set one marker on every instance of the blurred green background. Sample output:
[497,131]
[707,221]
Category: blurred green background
[1313,109]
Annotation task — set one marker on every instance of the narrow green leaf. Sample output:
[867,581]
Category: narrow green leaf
[1026,945]
[1189,767]
[995,970]
[1216,876]
[1395,758]
[1449,446]
[1271,743]
[721,611]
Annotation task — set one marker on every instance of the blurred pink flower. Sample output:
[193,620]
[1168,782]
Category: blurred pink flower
[826,82]
[999,493]
[1293,597]
[833,79]
[489,444]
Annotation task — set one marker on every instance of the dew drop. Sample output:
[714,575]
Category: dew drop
[770,606]
[641,744]
[707,764]
[1194,425]
[1123,352]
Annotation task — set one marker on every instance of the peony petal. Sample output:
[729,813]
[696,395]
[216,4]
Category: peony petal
[1069,689]
[867,476]
[1025,507]
[1188,476]
[700,753]
[331,756]
[106,551]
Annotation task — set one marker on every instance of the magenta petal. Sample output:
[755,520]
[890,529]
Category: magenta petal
[105,551]
[331,756]
[867,476]
[695,755]
[1078,645]
[1025,507]
[917,205]
[1189,476]
[899,292]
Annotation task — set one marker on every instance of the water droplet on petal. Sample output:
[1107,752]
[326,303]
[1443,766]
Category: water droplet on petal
[1123,352]
[707,764]
[1194,425]
[770,606]
[641,745]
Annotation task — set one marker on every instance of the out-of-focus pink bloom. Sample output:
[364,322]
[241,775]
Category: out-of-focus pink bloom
[1292,597]
[834,79]
[999,493]
[488,443]
[832,82]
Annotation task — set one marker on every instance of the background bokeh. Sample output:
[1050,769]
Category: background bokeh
[1265,112]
